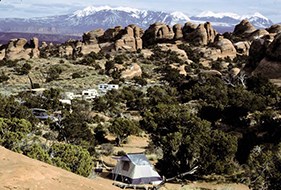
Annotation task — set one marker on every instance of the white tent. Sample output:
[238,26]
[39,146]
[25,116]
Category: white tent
[135,169]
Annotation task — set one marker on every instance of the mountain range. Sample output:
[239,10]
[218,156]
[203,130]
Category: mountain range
[107,17]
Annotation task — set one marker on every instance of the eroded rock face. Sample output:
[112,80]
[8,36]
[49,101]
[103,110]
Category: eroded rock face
[269,69]
[34,44]
[258,50]
[177,28]
[157,32]
[265,56]
[202,35]
[92,37]
[274,49]
[225,45]
[21,49]
[111,34]
[188,28]
[243,28]
[130,39]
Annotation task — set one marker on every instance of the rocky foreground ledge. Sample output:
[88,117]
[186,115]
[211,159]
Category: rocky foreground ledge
[20,172]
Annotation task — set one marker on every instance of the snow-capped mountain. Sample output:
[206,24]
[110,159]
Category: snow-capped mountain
[107,17]
[231,19]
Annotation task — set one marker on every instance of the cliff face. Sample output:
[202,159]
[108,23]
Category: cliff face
[20,172]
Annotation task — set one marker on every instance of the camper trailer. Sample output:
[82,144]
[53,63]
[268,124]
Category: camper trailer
[89,94]
[104,88]
[135,169]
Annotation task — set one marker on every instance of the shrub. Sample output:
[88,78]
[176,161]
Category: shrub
[71,157]
[3,77]
[53,73]
[24,70]
[76,75]
[107,149]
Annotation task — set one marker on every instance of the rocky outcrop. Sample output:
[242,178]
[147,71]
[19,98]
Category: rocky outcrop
[181,54]
[180,68]
[265,57]
[111,34]
[258,34]
[258,50]
[157,32]
[130,39]
[177,29]
[274,49]
[242,47]
[92,37]
[276,28]
[268,68]
[202,35]
[225,45]
[133,71]
[34,45]
[21,49]
[243,28]
[188,28]
[2,52]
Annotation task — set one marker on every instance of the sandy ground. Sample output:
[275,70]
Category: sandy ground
[135,145]
[22,173]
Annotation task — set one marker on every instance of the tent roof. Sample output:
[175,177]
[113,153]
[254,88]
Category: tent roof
[136,158]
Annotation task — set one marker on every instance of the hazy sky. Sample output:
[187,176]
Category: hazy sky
[35,8]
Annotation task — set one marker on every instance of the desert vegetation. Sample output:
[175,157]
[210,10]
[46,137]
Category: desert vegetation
[196,108]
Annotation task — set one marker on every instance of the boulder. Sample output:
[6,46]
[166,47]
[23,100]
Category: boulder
[180,68]
[258,34]
[269,69]
[274,49]
[202,35]
[242,47]
[157,32]
[93,36]
[147,53]
[133,71]
[276,28]
[225,45]
[234,71]
[44,45]
[243,28]
[177,29]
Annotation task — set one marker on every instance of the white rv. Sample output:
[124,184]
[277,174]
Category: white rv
[89,94]
[104,88]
